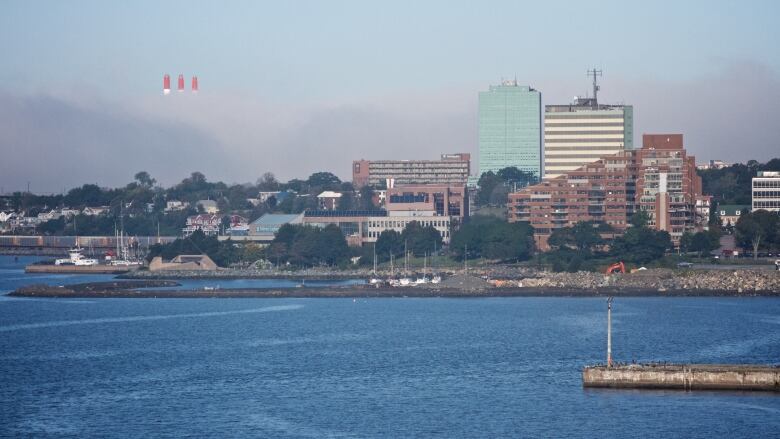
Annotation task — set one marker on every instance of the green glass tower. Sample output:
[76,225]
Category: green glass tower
[510,128]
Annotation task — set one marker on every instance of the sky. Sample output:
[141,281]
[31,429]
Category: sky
[298,87]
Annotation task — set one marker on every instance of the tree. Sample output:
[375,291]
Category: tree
[421,240]
[389,243]
[757,229]
[144,179]
[640,219]
[487,184]
[641,245]
[324,180]
[492,238]
[513,176]
[268,182]
[583,236]
[367,198]
[347,201]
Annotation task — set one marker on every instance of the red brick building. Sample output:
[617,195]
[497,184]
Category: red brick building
[659,179]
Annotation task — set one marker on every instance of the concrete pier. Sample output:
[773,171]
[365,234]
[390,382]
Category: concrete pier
[684,377]
[79,269]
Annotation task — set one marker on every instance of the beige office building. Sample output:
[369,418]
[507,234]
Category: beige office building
[582,132]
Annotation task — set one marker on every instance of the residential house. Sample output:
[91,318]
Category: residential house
[730,213]
[209,224]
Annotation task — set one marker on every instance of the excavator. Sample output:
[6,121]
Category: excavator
[617,267]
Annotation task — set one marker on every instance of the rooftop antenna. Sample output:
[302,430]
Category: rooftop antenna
[595,73]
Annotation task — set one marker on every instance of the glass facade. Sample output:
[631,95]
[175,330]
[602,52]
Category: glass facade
[510,128]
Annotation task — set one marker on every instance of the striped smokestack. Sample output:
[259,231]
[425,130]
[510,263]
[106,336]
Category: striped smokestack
[181,83]
[194,84]
[166,84]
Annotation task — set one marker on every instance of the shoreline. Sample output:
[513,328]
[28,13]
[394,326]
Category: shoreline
[122,290]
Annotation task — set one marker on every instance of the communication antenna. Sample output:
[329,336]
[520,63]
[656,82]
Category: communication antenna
[595,73]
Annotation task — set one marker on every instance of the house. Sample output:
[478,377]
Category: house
[48,216]
[94,211]
[183,262]
[7,216]
[329,200]
[730,213]
[209,224]
[209,206]
[69,213]
[175,205]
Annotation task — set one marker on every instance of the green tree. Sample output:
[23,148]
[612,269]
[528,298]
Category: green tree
[641,245]
[492,238]
[367,198]
[144,179]
[389,242]
[421,240]
[757,230]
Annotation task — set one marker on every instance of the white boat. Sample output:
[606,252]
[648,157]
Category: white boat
[404,281]
[421,281]
[436,279]
[75,257]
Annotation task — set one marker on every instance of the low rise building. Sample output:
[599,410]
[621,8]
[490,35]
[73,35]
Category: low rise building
[264,228]
[95,211]
[442,200]
[175,205]
[729,214]
[329,200]
[362,227]
[450,169]
[182,263]
[766,191]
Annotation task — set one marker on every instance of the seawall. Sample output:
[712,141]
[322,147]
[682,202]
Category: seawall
[77,269]
[684,377]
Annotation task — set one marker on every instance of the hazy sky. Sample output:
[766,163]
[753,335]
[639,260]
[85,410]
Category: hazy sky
[295,87]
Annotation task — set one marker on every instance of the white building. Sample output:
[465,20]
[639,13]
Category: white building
[175,205]
[583,132]
[766,191]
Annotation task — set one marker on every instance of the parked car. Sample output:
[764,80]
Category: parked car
[684,264]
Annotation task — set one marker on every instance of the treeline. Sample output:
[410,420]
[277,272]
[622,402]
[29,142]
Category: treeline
[732,184]
[141,204]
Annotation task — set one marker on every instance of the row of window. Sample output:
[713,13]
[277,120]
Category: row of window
[391,224]
[766,183]
[766,194]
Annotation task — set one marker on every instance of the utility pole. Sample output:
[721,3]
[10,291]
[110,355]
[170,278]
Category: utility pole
[594,73]
[466,259]
[609,332]
[374,259]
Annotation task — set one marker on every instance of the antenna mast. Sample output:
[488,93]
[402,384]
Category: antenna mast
[595,73]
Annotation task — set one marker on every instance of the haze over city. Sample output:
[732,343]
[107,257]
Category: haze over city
[295,88]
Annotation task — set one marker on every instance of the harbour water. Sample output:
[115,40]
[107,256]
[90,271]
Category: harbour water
[493,367]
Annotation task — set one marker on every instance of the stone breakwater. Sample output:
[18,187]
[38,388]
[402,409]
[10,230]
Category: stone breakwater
[739,281]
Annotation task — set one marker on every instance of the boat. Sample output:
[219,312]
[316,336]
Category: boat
[76,257]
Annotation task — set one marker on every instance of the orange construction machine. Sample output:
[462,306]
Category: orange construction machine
[617,267]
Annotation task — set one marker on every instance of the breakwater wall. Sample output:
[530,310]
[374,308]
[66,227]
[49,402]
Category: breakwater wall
[684,377]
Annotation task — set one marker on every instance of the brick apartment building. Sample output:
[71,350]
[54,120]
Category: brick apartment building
[660,179]
[441,200]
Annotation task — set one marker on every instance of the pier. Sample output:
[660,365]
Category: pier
[684,377]
[679,376]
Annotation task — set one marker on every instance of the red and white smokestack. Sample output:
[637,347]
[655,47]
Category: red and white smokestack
[194,84]
[166,84]
[181,83]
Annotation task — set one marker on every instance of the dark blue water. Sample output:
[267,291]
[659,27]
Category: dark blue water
[506,367]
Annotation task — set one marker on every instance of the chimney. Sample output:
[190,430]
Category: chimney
[166,84]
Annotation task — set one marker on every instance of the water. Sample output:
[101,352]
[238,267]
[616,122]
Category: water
[12,276]
[500,367]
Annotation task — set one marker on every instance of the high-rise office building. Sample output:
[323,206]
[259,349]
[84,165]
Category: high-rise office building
[510,128]
[582,132]
[766,191]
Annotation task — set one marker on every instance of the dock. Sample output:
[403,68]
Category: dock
[684,376]
[79,269]
[679,376]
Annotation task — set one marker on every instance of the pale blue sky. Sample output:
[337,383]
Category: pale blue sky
[296,87]
[327,49]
